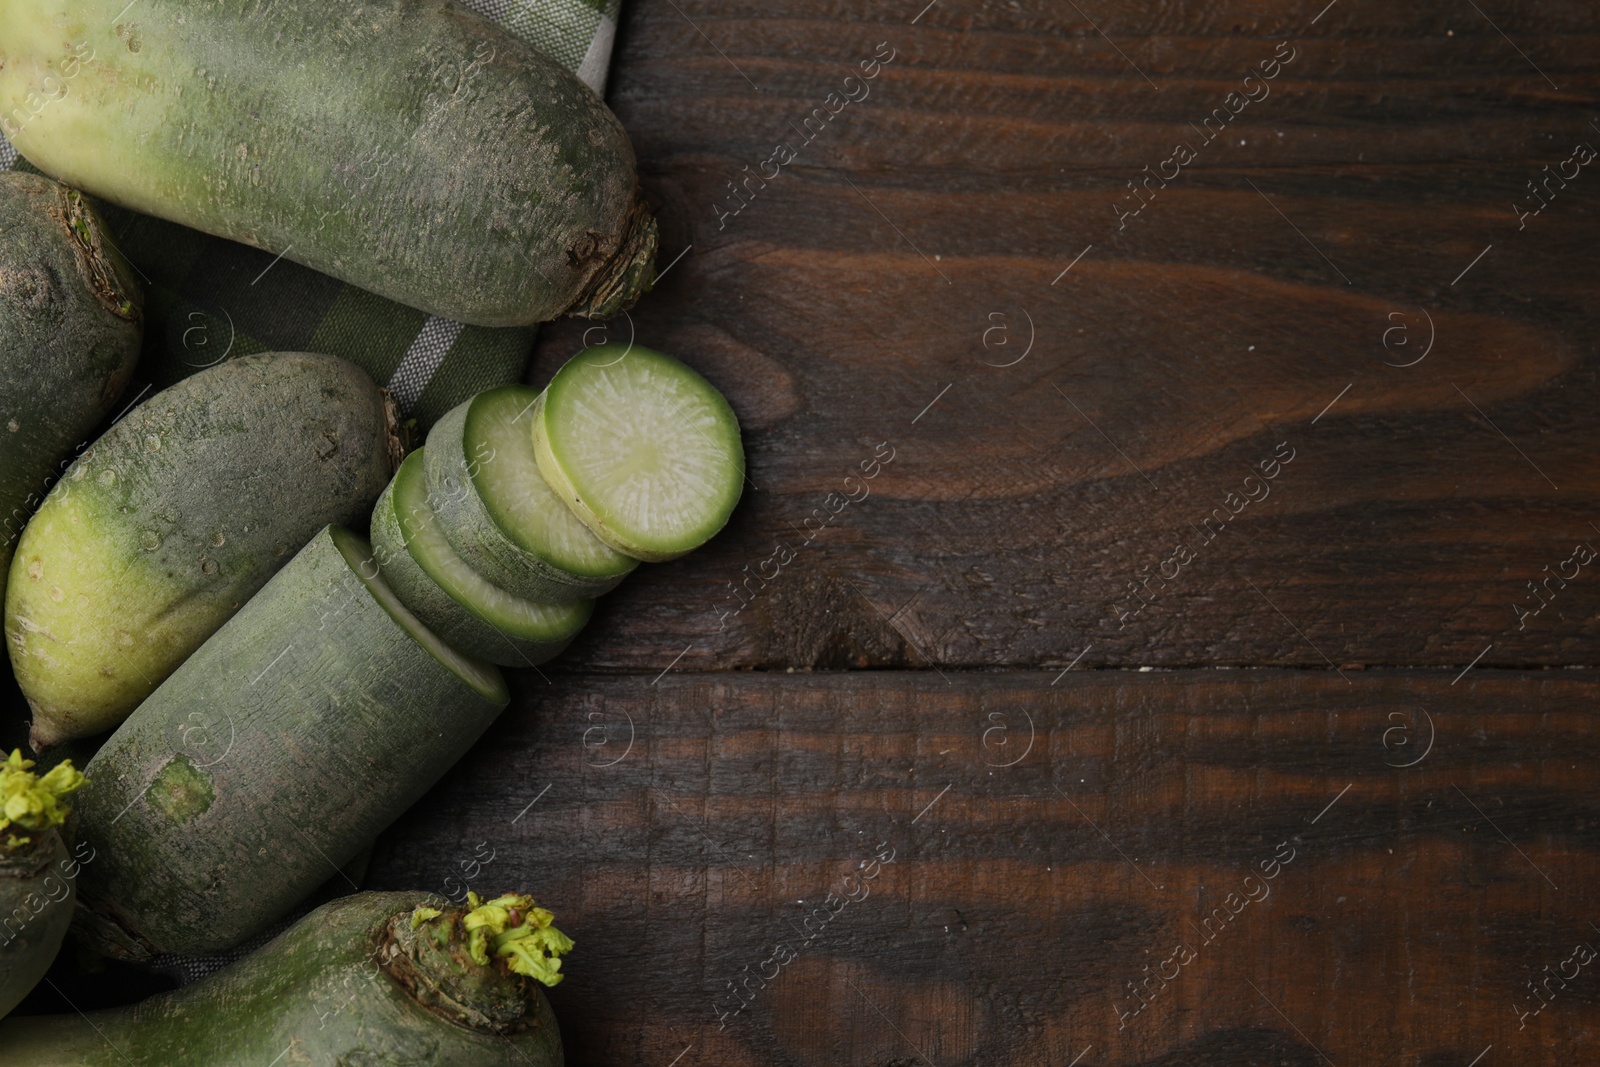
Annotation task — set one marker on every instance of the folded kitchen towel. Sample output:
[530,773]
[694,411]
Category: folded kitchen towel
[208,300]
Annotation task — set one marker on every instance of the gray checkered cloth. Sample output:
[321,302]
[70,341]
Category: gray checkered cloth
[207,299]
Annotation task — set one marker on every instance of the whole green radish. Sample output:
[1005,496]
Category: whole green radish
[409,147]
[366,980]
[174,517]
[37,877]
[70,329]
[305,726]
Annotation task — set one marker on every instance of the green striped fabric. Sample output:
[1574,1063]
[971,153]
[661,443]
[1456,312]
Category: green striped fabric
[208,300]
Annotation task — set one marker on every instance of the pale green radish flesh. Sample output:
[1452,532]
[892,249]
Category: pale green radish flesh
[294,736]
[645,451]
[516,495]
[497,511]
[451,598]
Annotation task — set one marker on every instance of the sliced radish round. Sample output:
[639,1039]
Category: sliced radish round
[642,449]
[498,512]
[453,600]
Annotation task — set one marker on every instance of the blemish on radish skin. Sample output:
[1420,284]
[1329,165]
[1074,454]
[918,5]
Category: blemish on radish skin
[181,792]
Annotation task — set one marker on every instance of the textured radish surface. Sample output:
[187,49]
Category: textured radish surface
[70,327]
[174,517]
[451,598]
[643,449]
[409,147]
[500,514]
[322,992]
[38,888]
[288,742]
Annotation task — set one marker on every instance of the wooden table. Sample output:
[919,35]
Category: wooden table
[1153,633]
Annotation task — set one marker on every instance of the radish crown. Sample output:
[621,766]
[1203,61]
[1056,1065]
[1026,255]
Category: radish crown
[511,928]
[470,963]
[31,801]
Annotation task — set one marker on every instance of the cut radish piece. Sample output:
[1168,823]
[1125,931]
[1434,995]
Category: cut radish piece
[645,451]
[499,514]
[451,598]
[307,724]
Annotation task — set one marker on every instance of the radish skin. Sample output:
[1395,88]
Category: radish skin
[460,605]
[37,901]
[409,147]
[174,517]
[37,877]
[306,725]
[351,984]
[71,322]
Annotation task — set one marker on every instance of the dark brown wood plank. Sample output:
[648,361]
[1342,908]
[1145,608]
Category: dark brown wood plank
[1294,263]
[1052,837]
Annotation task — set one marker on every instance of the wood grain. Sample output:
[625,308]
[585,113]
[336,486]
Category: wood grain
[917,243]
[947,274]
[684,830]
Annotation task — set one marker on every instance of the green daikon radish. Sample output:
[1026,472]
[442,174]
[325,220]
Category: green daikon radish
[498,511]
[645,451]
[70,329]
[174,517]
[410,147]
[469,612]
[371,979]
[285,745]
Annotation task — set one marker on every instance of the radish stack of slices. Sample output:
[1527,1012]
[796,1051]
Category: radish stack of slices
[525,505]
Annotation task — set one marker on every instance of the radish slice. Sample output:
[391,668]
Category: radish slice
[642,449]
